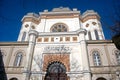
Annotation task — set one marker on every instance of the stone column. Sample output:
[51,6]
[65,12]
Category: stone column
[101,36]
[30,51]
[84,53]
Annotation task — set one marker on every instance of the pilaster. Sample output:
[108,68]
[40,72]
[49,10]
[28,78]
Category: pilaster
[84,54]
[30,51]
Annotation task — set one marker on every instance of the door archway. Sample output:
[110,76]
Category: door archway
[101,78]
[13,78]
[56,71]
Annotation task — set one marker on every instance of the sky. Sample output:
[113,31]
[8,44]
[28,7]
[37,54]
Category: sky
[12,11]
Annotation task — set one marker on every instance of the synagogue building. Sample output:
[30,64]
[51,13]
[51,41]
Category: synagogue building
[61,44]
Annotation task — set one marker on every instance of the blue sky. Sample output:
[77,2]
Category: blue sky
[12,11]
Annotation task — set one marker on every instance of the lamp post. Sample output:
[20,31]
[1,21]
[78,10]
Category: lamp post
[117,75]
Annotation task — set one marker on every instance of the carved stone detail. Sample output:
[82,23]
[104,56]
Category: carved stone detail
[63,58]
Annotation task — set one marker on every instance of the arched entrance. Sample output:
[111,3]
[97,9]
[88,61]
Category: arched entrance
[101,78]
[56,71]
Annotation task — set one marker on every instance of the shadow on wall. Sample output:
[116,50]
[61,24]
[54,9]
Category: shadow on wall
[3,75]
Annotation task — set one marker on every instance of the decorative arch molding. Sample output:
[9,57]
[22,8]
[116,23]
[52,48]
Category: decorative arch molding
[95,49]
[22,51]
[56,63]
[113,51]
[50,58]
[117,56]
[64,27]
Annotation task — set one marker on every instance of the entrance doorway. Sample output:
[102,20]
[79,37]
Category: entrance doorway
[101,78]
[56,71]
[13,79]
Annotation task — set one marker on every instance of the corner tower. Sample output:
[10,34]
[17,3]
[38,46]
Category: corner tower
[91,22]
[29,22]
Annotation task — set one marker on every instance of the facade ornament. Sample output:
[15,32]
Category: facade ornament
[57,49]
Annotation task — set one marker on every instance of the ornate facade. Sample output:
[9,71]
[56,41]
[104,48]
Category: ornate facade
[61,44]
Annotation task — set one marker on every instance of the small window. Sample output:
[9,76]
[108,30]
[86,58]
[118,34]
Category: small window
[87,25]
[94,23]
[117,53]
[89,35]
[26,25]
[96,58]
[18,59]
[33,27]
[24,36]
[59,28]
[96,34]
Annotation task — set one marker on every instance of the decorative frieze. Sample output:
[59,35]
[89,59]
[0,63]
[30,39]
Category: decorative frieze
[57,39]
[46,39]
[39,40]
[67,38]
[74,38]
[57,49]
[63,58]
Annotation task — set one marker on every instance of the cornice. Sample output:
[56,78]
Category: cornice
[31,19]
[59,13]
[61,33]
[89,14]
[14,43]
[56,33]
[99,41]
[88,17]
[56,16]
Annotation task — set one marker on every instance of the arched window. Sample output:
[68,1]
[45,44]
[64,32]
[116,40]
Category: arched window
[24,36]
[96,58]
[59,28]
[96,34]
[117,53]
[89,35]
[18,59]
